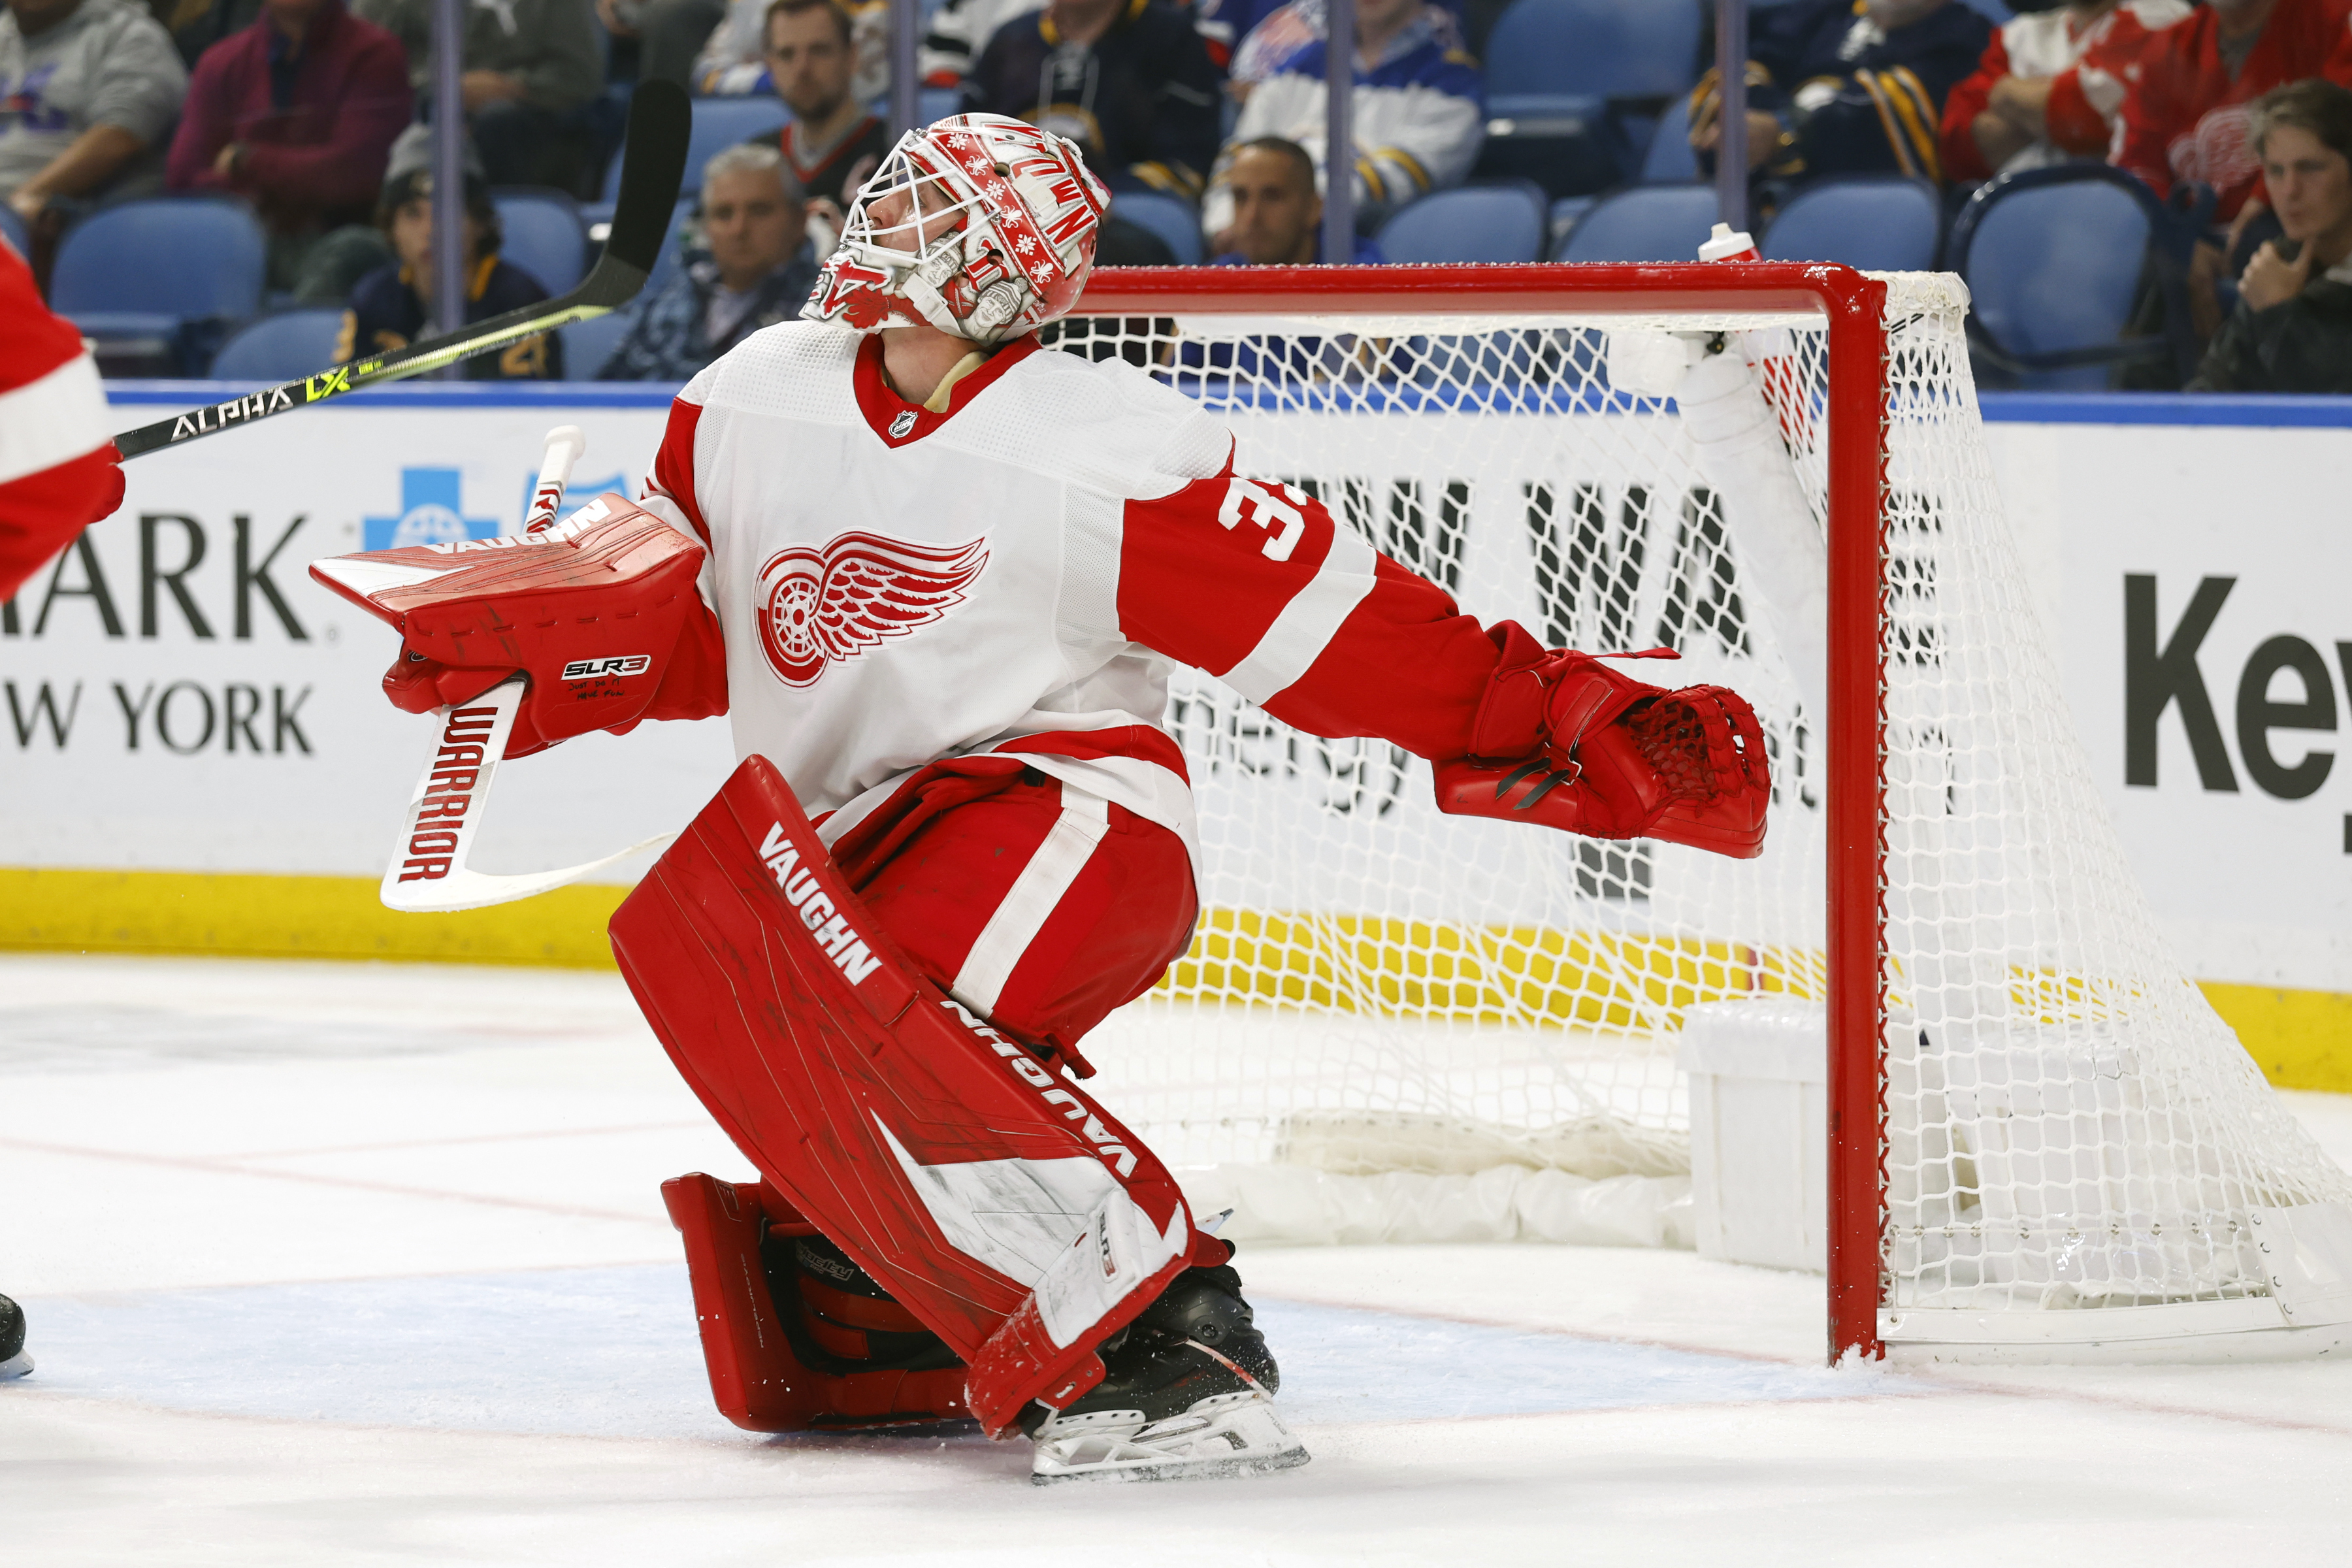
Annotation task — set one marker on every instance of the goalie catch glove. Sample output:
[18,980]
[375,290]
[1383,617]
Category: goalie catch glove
[1564,740]
[601,614]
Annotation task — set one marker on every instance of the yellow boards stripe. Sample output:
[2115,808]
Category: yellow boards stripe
[1352,964]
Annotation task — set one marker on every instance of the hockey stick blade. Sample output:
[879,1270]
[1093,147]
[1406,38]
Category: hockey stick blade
[652,166]
[428,874]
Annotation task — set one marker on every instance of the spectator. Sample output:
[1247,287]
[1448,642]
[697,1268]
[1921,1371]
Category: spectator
[2291,329]
[960,29]
[1277,215]
[734,62]
[758,270]
[88,90]
[1870,80]
[832,143]
[1418,122]
[530,67]
[1129,80]
[2050,86]
[2186,117]
[297,114]
[197,24]
[392,307]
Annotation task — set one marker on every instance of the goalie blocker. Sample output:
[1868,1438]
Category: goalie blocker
[994,1200]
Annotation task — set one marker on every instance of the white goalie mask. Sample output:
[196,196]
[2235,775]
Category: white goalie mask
[980,225]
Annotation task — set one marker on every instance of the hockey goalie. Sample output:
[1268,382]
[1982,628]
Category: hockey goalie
[937,575]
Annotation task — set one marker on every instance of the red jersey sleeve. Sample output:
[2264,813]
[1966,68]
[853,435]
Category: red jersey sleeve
[1254,582]
[1962,158]
[58,468]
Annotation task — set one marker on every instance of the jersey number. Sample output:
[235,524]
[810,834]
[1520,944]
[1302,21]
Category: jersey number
[1284,521]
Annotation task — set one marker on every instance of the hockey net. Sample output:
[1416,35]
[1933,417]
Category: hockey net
[1396,1024]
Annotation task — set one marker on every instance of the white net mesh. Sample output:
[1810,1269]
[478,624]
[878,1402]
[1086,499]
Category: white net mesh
[1377,987]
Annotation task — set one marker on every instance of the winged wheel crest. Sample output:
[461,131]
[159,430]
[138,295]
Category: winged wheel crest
[843,600]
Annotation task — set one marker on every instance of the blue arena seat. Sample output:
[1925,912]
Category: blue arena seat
[281,347]
[1173,218]
[1473,223]
[1643,223]
[1670,161]
[666,263]
[2053,260]
[544,236]
[719,123]
[111,282]
[1878,223]
[1562,75]
[588,344]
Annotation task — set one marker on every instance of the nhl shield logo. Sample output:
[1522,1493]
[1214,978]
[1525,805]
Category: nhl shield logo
[902,425]
[832,604]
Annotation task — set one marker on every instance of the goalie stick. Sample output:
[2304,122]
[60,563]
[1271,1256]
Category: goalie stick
[652,165]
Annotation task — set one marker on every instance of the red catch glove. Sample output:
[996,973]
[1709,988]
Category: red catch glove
[601,614]
[1564,740]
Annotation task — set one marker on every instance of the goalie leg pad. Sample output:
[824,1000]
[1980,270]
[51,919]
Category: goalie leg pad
[1001,1206]
[760,1379]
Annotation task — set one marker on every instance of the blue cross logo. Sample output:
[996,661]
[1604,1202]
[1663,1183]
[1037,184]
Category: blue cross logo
[430,513]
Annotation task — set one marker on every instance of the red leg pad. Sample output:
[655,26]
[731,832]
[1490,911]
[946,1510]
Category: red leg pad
[998,1202]
[756,1380]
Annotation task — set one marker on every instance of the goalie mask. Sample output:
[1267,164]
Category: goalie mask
[981,226]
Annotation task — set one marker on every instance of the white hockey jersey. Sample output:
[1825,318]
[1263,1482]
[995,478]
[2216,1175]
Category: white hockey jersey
[895,585]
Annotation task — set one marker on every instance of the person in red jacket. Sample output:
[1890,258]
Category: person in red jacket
[57,466]
[297,113]
[2050,86]
[2186,117]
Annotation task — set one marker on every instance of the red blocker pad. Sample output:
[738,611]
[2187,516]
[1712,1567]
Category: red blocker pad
[600,612]
[757,1378]
[1001,1206]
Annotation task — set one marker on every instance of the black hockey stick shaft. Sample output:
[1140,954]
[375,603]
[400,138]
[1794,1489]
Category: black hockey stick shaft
[652,165]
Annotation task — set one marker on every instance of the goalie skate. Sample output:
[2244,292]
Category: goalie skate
[1188,1393]
[1225,1434]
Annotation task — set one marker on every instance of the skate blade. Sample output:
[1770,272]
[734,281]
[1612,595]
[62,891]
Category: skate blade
[1219,1438]
[16,1366]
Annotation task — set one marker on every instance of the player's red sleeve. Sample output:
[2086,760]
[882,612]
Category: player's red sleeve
[1253,582]
[673,474]
[1962,158]
[58,470]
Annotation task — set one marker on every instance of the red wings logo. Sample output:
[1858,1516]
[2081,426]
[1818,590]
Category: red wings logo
[839,601]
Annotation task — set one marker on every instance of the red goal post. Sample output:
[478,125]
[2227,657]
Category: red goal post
[1853,308]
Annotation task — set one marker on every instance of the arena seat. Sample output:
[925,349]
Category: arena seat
[1881,223]
[1563,75]
[1503,222]
[1670,161]
[1173,218]
[1643,223]
[281,347]
[544,236]
[2053,260]
[719,123]
[587,344]
[110,282]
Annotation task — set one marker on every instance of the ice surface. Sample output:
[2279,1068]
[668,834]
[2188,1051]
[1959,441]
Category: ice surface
[367,1264]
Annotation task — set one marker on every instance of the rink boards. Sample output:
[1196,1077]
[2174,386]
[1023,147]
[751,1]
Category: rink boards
[196,757]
